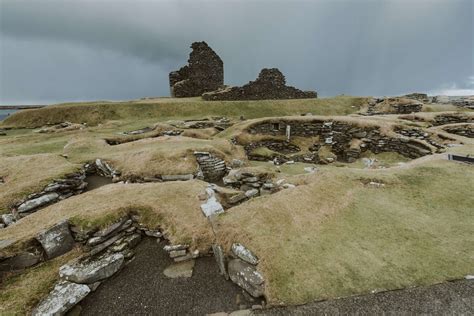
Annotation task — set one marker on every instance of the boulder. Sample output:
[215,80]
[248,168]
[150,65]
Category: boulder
[92,270]
[247,277]
[61,299]
[57,240]
[244,254]
[37,202]
[20,261]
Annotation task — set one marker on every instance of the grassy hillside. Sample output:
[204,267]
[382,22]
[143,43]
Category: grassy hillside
[162,109]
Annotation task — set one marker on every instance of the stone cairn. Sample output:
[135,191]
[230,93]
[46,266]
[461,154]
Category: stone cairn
[204,73]
[270,84]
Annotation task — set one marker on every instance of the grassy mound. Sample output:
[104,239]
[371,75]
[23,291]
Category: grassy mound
[94,113]
[24,175]
[337,236]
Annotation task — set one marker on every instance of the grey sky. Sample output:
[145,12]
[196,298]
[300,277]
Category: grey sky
[53,51]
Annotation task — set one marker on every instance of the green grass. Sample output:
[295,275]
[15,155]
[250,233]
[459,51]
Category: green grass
[164,109]
[337,237]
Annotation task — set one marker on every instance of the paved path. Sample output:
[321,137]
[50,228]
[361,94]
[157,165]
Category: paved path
[142,289]
[450,298]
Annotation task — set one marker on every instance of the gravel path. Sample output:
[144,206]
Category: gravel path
[450,298]
[142,289]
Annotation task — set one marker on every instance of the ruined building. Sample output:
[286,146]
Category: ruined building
[270,84]
[204,73]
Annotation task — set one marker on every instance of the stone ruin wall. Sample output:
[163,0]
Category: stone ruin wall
[338,135]
[270,84]
[204,73]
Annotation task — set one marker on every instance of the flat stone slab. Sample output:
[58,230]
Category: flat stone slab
[57,240]
[61,299]
[180,269]
[20,261]
[244,254]
[92,270]
[40,201]
[247,277]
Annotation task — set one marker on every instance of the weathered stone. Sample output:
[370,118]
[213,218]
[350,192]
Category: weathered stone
[104,243]
[177,253]
[169,248]
[204,73]
[91,270]
[243,253]
[133,240]
[153,233]
[8,219]
[113,227]
[237,198]
[246,276]
[220,259]
[57,240]
[180,269]
[212,207]
[270,84]
[62,298]
[177,177]
[119,247]
[20,261]
[251,193]
[38,202]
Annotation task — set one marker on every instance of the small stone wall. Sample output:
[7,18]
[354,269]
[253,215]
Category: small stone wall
[377,106]
[340,137]
[270,84]
[204,73]
[422,97]
[466,130]
[452,118]
[211,168]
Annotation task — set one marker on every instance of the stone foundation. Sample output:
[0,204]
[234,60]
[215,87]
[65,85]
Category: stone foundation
[378,106]
[466,130]
[270,84]
[346,141]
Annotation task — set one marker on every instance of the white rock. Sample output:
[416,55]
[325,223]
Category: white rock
[62,298]
[251,193]
[212,207]
[289,186]
[92,270]
[57,240]
[247,277]
[40,201]
[243,253]
[169,248]
[8,219]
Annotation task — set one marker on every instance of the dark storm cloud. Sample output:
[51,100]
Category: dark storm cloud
[72,50]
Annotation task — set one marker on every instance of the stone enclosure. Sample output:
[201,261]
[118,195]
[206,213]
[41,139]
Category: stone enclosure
[345,140]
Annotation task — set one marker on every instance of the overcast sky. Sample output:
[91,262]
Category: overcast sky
[54,51]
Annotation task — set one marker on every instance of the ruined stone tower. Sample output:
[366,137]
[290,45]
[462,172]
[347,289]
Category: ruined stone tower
[204,73]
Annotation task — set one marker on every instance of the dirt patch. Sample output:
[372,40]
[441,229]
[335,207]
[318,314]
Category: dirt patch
[142,288]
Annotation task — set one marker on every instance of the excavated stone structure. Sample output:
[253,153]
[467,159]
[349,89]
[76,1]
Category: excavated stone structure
[270,84]
[204,73]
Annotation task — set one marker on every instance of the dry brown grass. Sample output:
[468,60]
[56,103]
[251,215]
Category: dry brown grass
[24,175]
[173,206]
[19,294]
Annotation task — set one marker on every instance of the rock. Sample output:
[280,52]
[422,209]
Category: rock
[234,199]
[236,163]
[153,233]
[180,270]
[212,207]
[133,240]
[20,261]
[8,219]
[104,243]
[246,276]
[187,257]
[62,298]
[119,247]
[251,193]
[469,277]
[177,177]
[219,255]
[244,254]
[114,227]
[37,202]
[94,286]
[288,186]
[169,248]
[177,253]
[57,240]
[92,270]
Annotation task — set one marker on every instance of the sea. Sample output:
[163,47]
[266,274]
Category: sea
[5,113]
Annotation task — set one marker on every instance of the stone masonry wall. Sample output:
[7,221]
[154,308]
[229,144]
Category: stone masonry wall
[270,84]
[340,137]
[205,72]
